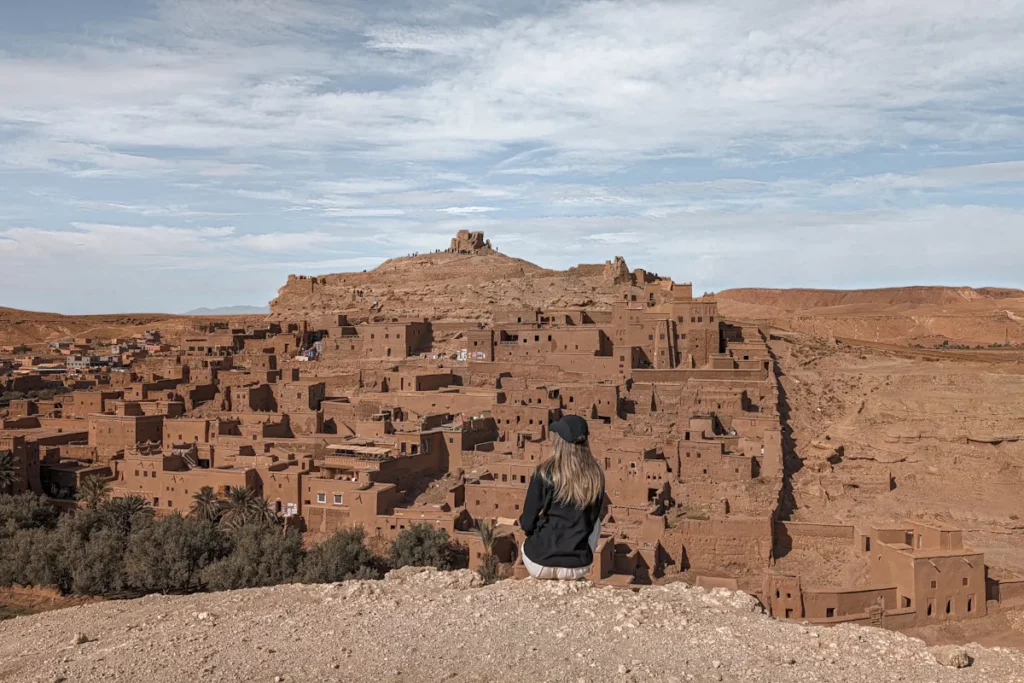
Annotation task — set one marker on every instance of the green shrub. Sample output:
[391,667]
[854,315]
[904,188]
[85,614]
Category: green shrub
[422,545]
[490,569]
[260,556]
[170,554]
[341,557]
[26,511]
[28,558]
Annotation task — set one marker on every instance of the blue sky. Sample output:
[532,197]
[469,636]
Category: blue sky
[160,156]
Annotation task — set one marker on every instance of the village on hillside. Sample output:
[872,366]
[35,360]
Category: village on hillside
[369,419]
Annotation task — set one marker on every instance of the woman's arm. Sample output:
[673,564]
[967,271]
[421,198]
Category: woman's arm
[533,505]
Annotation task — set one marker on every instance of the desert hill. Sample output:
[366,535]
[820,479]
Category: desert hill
[447,286]
[32,327]
[899,315]
[424,625]
[35,329]
[800,299]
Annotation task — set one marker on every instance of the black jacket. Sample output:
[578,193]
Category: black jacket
[557,535]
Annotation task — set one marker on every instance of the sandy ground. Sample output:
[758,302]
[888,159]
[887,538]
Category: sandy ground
[423,625]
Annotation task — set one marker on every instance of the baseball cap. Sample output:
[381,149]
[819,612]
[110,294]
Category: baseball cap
[572,428]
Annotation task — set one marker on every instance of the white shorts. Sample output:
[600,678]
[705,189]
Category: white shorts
[558,573]
[561,573]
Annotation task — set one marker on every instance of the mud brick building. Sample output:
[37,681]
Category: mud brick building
[352,409]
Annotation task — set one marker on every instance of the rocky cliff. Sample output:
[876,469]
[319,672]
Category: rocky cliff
[423,625]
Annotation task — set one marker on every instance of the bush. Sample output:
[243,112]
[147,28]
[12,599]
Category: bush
[85,555]
[260,556]
[170,554]
[28,558]
[490,569]
[94,566]
[341,557]
[26,511]
[423,546]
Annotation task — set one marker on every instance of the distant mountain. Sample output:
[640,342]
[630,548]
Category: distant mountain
[231,310]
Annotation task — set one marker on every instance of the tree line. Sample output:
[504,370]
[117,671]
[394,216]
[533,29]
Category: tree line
[120,547]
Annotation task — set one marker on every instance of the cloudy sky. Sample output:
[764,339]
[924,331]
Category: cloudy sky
[172,154]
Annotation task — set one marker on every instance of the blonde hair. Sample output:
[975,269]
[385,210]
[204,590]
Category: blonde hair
[573,472]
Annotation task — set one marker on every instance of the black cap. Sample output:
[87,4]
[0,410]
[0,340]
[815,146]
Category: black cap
[572,428]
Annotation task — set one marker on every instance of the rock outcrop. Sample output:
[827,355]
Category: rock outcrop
[424,625]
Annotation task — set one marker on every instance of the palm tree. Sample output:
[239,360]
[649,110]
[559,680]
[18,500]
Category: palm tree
[237,509]
[261,512]
[8,471]
[489,570]
[206,505]
[124,513]
[486,531]
[93,491]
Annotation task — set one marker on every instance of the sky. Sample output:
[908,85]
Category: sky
[169,154]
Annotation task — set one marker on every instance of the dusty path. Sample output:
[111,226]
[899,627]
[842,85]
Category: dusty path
[428,626]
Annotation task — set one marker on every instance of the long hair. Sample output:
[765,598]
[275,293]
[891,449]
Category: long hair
[573,472]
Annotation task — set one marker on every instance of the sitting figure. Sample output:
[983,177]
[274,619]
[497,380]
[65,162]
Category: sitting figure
[562,512]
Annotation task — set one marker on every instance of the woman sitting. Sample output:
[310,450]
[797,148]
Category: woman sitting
[562,512]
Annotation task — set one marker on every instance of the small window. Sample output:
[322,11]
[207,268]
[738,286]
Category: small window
[338,499]
[933,585]
[830,612]
[778,594]
[321,497]
[965,580]
[949,606]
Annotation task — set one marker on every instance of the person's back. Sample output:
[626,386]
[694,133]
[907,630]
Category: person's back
[562,512]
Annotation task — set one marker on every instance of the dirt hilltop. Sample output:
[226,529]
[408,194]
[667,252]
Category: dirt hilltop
[898,315]
[448,286]
[424,625]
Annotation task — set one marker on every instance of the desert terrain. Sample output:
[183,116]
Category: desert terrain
[897,403]
[422,625]
[926,316]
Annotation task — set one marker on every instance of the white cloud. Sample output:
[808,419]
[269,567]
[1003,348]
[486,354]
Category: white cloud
[740,139]
[466,210]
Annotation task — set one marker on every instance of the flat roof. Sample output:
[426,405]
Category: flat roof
[363,450]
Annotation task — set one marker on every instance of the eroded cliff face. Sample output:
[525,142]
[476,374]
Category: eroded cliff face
[425,625]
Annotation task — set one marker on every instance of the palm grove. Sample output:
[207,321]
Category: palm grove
[119,546]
